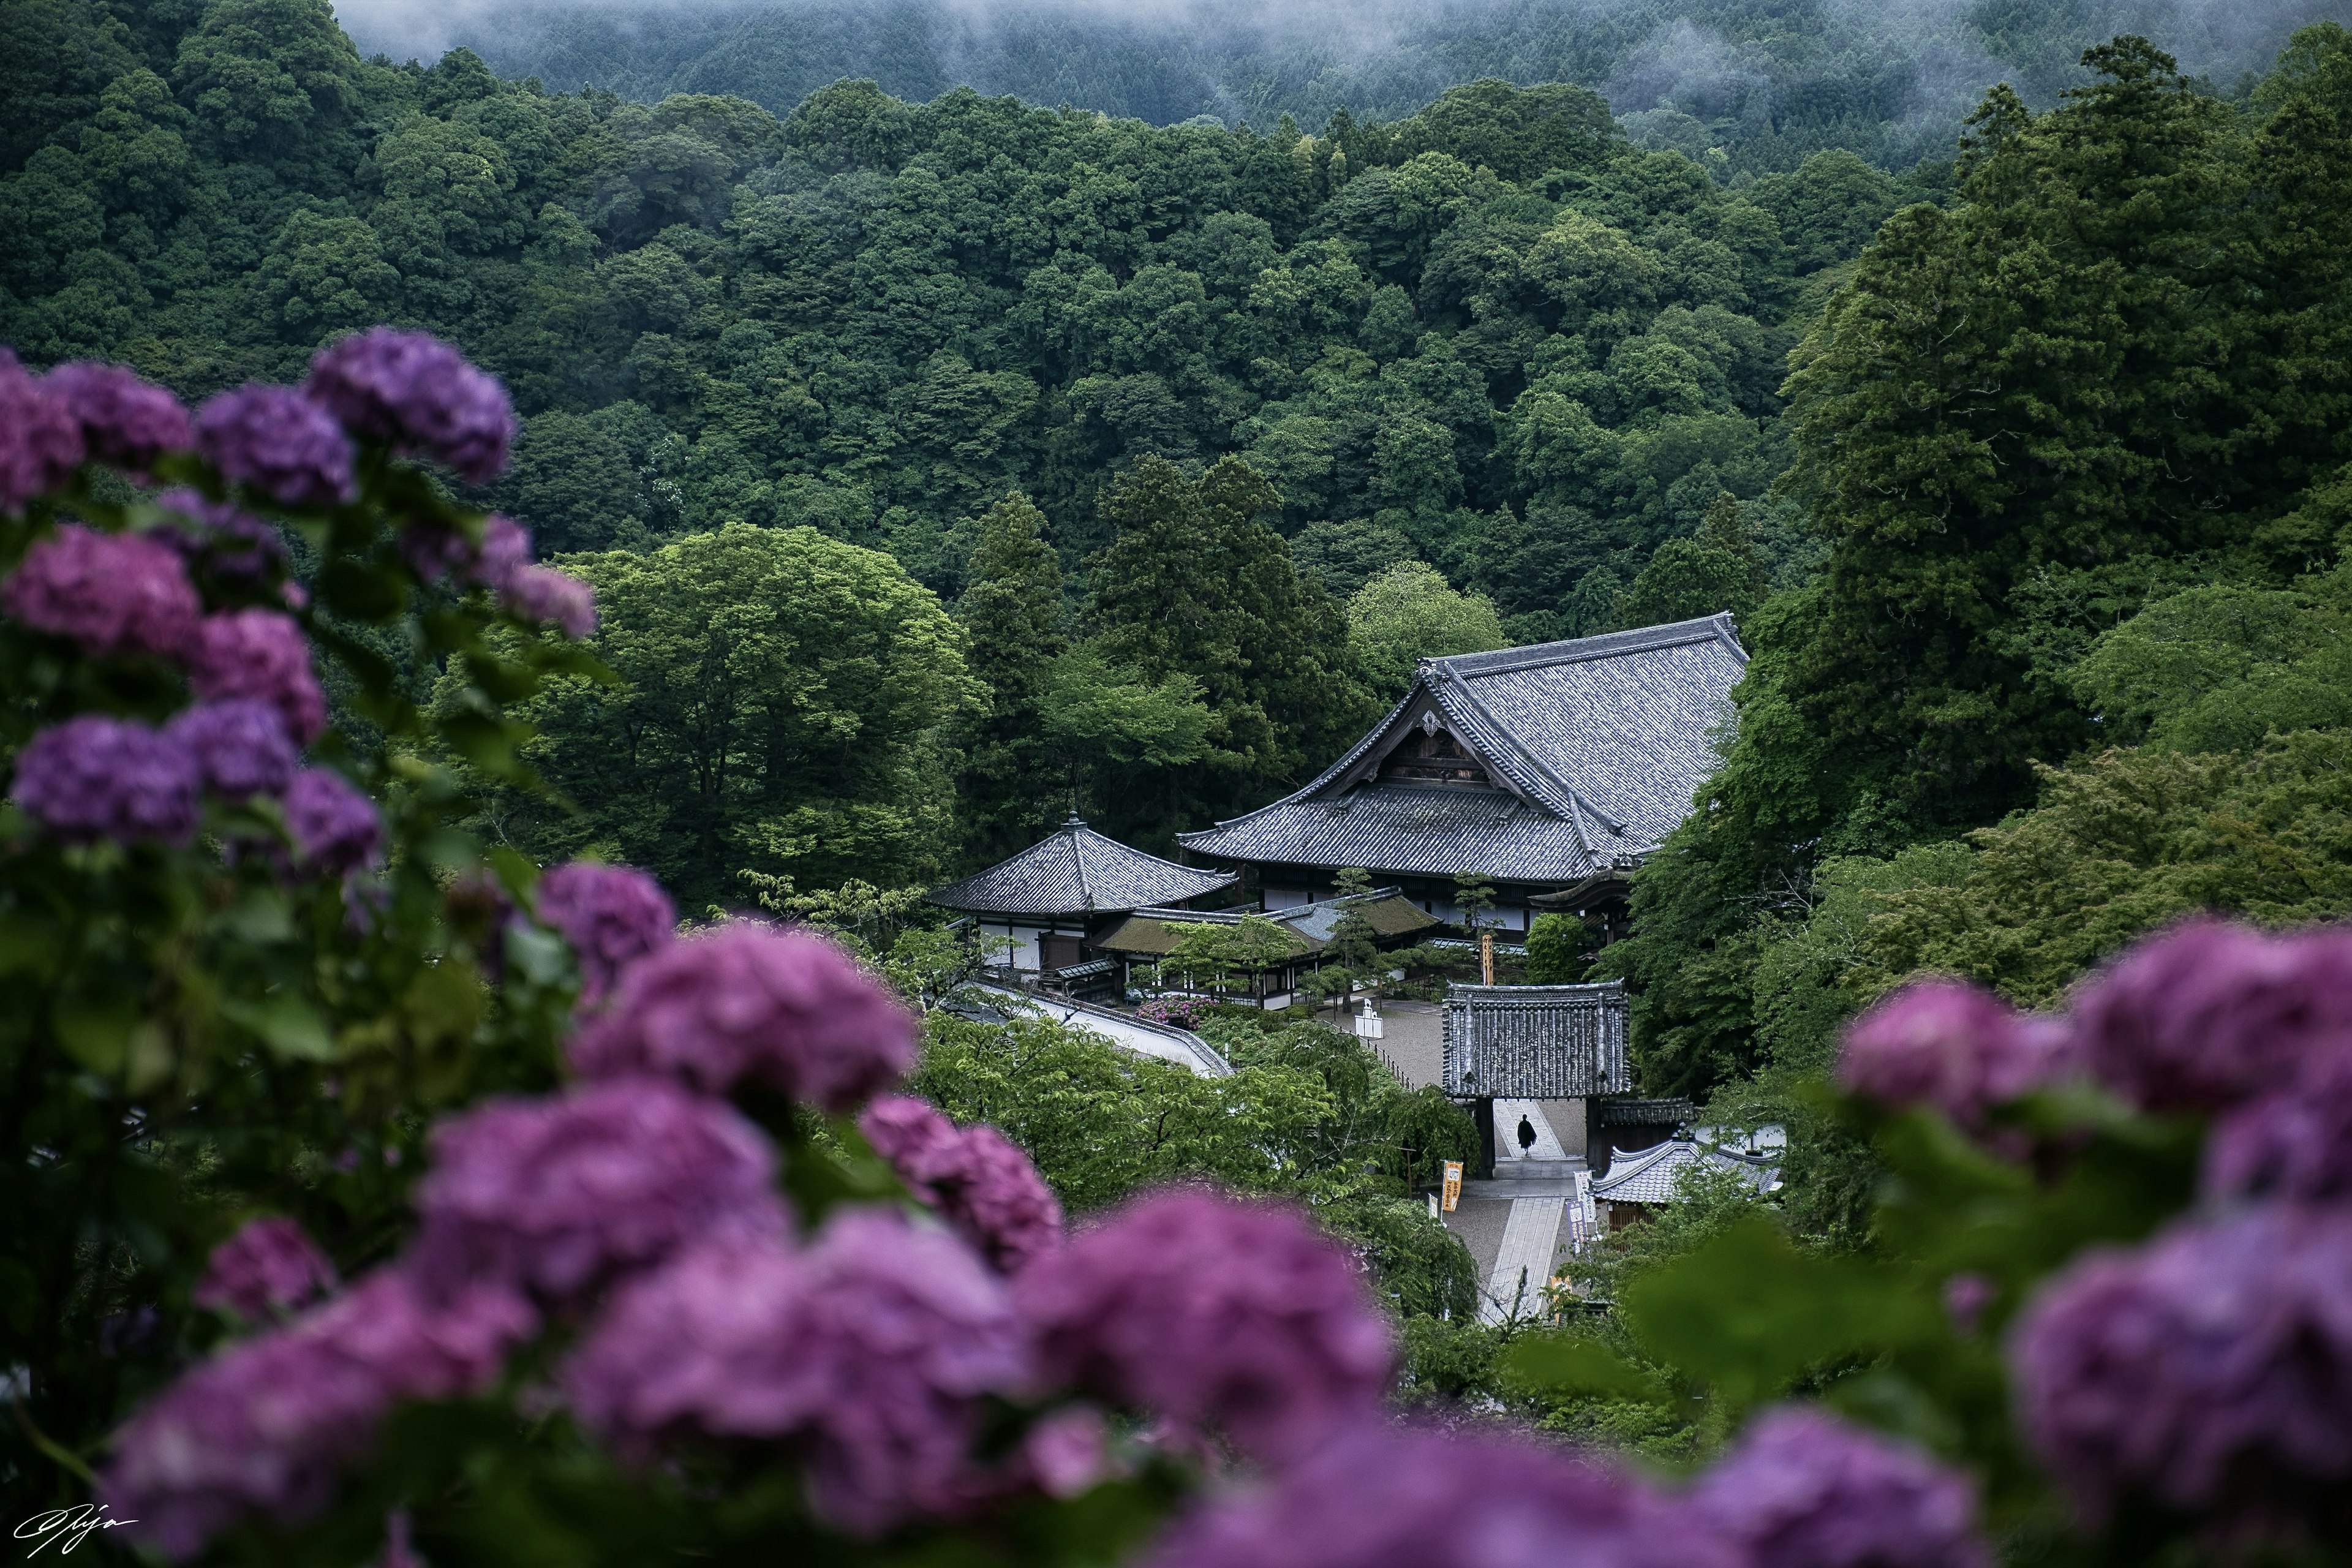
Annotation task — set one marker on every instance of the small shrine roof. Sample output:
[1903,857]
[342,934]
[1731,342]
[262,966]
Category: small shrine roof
[1076,871]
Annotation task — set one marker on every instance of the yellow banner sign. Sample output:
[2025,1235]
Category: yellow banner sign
[1453,1185]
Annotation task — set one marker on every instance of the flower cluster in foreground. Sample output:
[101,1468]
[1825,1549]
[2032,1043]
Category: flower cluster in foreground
[2209,1370]
[879,1349]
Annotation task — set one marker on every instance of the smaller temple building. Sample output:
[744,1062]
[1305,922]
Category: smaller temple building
[1043,910]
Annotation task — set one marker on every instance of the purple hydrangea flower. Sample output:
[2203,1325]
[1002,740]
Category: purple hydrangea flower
[2211,1013]
[40,440]
[748,1002]
[95,777]
[1216,1313]
[873,1346]
[125,421]
[268,1268]
[1803,1489]
[1378,1497]
[267,1426]
[437,550]
[1949,1045]
[2295,1142]
[1966,1297]
[612,916]
[985,1187]
[542,593]
[715,1341]
[335,828]
[280,442]
[557,1193]
[419,396]
[1067,1452]
[110,593]
[2210,1367]
[260,654]
[241,747]
[231,545]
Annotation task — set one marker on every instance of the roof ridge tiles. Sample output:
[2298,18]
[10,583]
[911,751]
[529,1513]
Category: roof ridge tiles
[1715,627]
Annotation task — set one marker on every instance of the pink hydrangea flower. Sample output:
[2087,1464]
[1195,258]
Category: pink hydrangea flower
[419,396]
[2207,1370]
[1378,1497]
[1217,1313]
[40,440]
[112,592]
[542,593]
[555,1194]
[872,1347]
[269,1267]
[2211,1013]
[279,443]
[612,915]
[749,1002]
[1804,1489]
[1951,1045]
[260,654]
[985,1187]
[93,777]
[125,421]
[268,1426]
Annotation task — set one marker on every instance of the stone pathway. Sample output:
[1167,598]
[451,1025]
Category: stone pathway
[1523,1267]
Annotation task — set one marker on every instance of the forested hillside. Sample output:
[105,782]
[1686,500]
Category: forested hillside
[1742,85]
[941,464]
[1492,336]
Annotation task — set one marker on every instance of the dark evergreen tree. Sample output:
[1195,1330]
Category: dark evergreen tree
[1196,583]
[1013,613]
[1715,570]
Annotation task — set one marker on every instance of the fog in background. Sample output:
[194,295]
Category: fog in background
[1761,82]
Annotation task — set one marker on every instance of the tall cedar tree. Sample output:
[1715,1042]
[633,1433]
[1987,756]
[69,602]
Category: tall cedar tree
[1013,612]
[2114,367]
[1196,583]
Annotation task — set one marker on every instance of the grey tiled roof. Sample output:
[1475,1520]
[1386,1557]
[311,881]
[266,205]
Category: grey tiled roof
[1597,743]
[1535,1042]
[1078,872]
[1647,1175]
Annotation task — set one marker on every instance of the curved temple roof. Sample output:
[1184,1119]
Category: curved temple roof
[1075,871]
[1592,747]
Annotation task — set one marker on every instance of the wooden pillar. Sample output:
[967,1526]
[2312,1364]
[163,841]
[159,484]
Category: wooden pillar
[1484,1111]
[1487,955]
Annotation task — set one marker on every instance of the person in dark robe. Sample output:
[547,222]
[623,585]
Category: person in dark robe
[1527,1136]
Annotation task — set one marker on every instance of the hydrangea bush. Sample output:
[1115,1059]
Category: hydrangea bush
[375,1198]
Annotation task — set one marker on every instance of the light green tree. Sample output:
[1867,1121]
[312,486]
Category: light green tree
[1410,611]
[780,707]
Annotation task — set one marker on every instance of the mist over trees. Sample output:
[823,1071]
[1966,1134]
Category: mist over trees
[1741,86]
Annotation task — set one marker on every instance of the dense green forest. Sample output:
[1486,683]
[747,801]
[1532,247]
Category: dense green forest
[942,465]
[1744,86]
